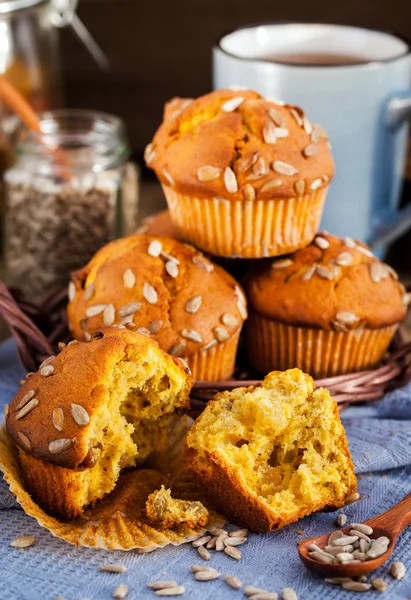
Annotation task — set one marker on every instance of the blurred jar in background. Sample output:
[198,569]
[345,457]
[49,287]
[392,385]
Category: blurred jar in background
[69,192]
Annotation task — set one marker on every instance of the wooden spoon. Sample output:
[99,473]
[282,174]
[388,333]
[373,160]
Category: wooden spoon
[390,524]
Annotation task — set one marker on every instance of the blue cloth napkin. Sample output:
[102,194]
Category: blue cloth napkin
[380,442]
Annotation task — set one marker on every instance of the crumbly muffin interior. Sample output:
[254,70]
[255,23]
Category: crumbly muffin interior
[281,441]
[167,512]
[142,398]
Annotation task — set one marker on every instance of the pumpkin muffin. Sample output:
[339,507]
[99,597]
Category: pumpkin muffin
[168,291]
[329,309]
[93,410]
[243,176]
[269,455]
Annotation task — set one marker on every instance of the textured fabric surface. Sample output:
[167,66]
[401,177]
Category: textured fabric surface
[380,441]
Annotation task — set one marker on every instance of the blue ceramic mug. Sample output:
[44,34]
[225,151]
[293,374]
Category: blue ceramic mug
[355,83]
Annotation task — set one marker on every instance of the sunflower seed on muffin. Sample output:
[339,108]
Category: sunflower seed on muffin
[299,187]
[58,419]
[276,118]
[344,259]
[150,293]
[80,415]
[249,192]
[283,168]
[109,315]
[317,183]
[191,335]
[27,408]
[155,326]
[269,133]
[232,104]
[310,150]
[24,440]
[270,185]
[202,263]
[321,242]
[172,268]
[96,309]
[60,445]
[247,161]
[296,116]
[229,320]
[230,181]
[155,248]
[26,398]
[168,177]
[178,349]
[221,334]
[71,291]
[46,370]
[208,173]
[259,170]
[346,317]
[129,279]
[193,305]
[129,309]
[283,263]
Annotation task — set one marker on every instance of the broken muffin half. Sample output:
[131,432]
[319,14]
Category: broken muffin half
[272,454]
[167,512]
[90,412]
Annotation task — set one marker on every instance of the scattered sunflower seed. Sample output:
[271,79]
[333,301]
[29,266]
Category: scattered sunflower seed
[24,541]
[196,568]
[379,584]
[229,320]
[80,415]
[352,498]
[120,592]
[230,181]
[47,370]
[341,520]
[161,585]
[168,177]
[265,596]
[71,291]
[129,279]
[337,580]
[233,552]
[59,445]
[271,185]
[211,544]
[201,541]
[27,408]
[250,590]
[284,168]
[356,586]
[193,304]
[233,582]
[288,594]
[178,590]
[203,553]
[232,104]
[234,541]
[206,575]
[219,544]
[28,396]
[113,568]
[93,311]
[397,570]
[192,335]
[24,440]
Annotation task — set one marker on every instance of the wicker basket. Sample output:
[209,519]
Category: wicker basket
[38,329]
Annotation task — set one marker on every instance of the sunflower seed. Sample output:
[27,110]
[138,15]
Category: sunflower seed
[269,133]
[356,586]
[129,309]
[206,575]
[161,585]
[6,409]
[336,535]
[109,315]
[201,541]
[391,271]
[406,299]
[28,396]
[344,557]
[283,168]
[178,590]
[247,161]
[299,187]
[89,292]
[129,279]
[397,570]
[352,498]
[378,272]
[276,117]
[229,320]
[344,259]
[24,541]
[359,555]
[347,318]
[196,568]
[178,349]
[360,532]
[149,153]
[155,326]
[172,268]
[249,192]
[80,415]
[192,335]
[288,594]
[337,580]
[120,592]
[341,520]
[113,568]
[211,544]
[260,169]
[325,273]
[233,582]
[365,251]
[282,263]
[281,132]
[233,552]
[150,293]
[232,104]
[209,345]
[234,540]
[59,445]
[265,596]
[47,361]
[71,291]
[334,550]
[310,150]
[204,553]
[314,548]
[349,242]
[193,304]
[47,370]
[221,334]
[364,546]
[202,263]
[270,185]
[143,331]
[297,117]
[379,584]
[208,173]
[24,440]
[250,590]
[344,540]
[168,177]
[58,419]
[316,184]
[230,181]
[154,249]
[27,408]
[307,125]
[322,557]
[274,100]
[96,309]
[219,544]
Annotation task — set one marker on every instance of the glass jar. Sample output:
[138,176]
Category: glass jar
[65,198]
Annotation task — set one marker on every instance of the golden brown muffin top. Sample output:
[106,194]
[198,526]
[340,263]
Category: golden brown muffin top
[333,283]
[168,290]
[238,145]
[55,415]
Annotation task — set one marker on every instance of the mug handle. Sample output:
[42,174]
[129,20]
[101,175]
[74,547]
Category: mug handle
[396,221]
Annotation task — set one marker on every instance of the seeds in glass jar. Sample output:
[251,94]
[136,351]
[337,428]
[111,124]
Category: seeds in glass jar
[192,335]
[284,168]
[270,185]
[71,291]
[58,419]
[172,268]
[129,309]
[129,279]
[397,570]
[230,181]
[232,104]
[24,541]
[155,326]
[46,371]
[229,320]
[168,177]
[310,150]
[233,582]
[193,305]
[297,117]
[59,445]
[277,119]
[282,263]
[347,318]
[96,309]
[109,315]
[150,293]
[221,334]
[178,349]
[27,409]
[249,192]
[80,415]
[208,173]
[155,248]
[24,440]
[28,396]
[317,183]
[344,259]
[247,161]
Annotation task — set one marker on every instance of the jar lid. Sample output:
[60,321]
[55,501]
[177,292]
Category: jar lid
[9,6]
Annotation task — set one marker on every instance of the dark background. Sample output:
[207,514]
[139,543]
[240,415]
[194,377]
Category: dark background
[162,48]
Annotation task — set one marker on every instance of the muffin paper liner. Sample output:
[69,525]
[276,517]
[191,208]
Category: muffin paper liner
[118,522]
[217,363]
[247,229]
[279,346]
